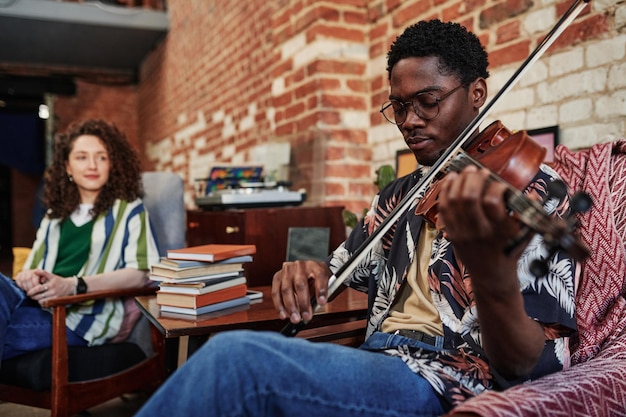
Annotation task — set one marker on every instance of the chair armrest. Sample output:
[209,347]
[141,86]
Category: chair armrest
[596,387]
[95,295]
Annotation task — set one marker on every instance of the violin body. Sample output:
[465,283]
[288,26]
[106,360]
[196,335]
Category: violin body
[513,157]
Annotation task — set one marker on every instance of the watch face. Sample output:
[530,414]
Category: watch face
[81,286]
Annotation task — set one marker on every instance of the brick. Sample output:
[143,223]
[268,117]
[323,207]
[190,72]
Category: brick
[378,48]
[282,67]
[334,188]
[306,122]
[294,110]
[378,30]
[358,153]
[356,3]
[592,27]
[391,5]
[342,101]
[452,13]
[312,102]
[319,13]
[509,54]
[309,88]
[409,14]
[576,110]
[355,17]
[365,190]
[329,84]
[375,12]
[320,30]
[564,5]
[334,153]
[347,170]
[508,32]
[358,86]
[502,11]
[472,5]
[336,67]
[329,117]
[283,99]
[354,136]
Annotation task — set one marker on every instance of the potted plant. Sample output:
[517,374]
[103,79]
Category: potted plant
[384,175]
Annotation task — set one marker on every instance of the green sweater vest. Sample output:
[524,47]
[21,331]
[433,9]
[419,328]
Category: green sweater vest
[74,243]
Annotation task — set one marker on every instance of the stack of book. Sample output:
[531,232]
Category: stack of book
[202,279]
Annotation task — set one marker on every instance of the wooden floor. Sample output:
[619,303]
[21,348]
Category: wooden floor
[125,406]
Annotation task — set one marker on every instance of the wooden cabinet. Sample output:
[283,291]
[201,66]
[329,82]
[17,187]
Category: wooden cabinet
[267,228]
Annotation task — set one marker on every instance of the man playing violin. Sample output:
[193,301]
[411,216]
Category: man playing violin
[454,311]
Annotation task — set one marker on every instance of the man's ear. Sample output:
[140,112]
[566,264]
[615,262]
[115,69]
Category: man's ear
[478,92]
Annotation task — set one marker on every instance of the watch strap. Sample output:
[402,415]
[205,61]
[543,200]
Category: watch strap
[81,285]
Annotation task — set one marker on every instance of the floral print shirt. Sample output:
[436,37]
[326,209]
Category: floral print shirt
[460,370]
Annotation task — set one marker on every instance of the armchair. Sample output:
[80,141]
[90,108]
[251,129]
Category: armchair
[595,384]
[68,380]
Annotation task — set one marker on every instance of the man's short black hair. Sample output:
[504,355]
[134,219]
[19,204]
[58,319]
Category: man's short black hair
[459,50]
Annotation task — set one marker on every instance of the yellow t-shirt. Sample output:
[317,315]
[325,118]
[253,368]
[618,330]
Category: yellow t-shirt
[414,309]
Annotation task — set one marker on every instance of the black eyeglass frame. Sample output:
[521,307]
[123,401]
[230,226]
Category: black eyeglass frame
[438,100]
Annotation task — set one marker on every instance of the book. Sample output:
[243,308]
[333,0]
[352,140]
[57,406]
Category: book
[208,308]
[212,252]
[196,288]
[201,300]
[167,271]
[180,263]
[254,295]
[200,278]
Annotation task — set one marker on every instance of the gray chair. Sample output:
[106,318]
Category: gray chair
[68,380]
[164,200]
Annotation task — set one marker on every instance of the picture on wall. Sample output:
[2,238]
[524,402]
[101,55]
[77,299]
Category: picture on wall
[405,162]
[548,137]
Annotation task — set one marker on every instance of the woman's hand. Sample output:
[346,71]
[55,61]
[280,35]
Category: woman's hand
[290,289]
[41,285]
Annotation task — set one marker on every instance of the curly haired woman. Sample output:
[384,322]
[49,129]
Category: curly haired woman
[95,236]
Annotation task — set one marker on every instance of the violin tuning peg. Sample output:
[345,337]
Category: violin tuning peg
[581,202]
[539,268]
[557,189]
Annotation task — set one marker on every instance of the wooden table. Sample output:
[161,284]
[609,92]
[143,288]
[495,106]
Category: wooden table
[344,316]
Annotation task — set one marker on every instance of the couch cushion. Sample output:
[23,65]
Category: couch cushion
[33,370]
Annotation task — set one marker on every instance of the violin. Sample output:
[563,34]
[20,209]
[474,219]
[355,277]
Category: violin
[513,158]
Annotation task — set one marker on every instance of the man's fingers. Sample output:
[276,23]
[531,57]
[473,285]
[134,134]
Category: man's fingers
[291,289]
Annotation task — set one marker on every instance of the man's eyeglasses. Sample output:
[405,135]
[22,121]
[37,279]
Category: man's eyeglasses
[425,105]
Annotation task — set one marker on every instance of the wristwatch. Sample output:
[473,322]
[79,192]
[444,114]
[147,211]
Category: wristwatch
[81,285]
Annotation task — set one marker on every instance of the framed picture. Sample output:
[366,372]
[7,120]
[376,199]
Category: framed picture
[548,137]
[405,162]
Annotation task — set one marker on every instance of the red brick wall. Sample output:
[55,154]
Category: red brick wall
[116,104]
[232,75]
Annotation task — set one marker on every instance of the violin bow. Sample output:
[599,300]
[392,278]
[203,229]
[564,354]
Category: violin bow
[343,273]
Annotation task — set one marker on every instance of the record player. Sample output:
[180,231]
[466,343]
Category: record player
[243,187]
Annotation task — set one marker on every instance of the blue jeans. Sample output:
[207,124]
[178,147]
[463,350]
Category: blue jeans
[248,373]
[24,325]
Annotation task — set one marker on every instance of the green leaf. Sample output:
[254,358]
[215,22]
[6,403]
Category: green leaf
[349,218]
[384,175]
